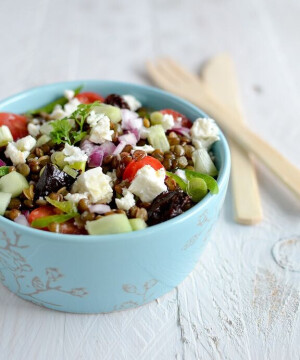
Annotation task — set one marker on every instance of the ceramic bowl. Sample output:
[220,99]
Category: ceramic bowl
[97,274]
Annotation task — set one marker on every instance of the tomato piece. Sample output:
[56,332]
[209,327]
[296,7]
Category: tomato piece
[133,167]
[89,97]
[185,122]
[70,228]
[41,212]
[17,124]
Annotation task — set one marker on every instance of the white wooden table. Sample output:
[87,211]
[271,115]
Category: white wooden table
[239,303]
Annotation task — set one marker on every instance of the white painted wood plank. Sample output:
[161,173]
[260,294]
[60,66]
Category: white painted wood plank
[238,303]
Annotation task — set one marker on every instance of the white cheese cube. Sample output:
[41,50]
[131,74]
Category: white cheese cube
[204,133]
[16,156]
[75,198]
[95,184]
[148,183]
[132,102]
[69,94]
[101,131]
[74,154]
[27,143]
[147,148]
[33,129]
[167,122]
[127,201]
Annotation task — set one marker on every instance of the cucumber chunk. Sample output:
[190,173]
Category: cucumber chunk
[5,135]
[72,172]
[58,158]
[112,112]
[157,138]
[13,183]
[42,140]
[137,224]
[203,162]
[156,118]
[111,224]
[4,201]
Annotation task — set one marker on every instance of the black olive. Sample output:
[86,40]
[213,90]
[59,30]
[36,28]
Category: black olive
[168,205]
[51,180]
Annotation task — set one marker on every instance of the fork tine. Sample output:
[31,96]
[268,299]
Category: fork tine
[174,76]
[158,78]
[184,74]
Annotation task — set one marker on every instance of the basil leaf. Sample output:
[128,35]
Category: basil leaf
[47,220]
[180,182]
[50,107]
[211,183]
[4,170]
[65,206]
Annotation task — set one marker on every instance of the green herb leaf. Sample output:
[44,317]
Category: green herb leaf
[50,107]
[62,128]
[211,183]
[61,131]
[47,220]
[181,183]
[65,206]
[4,170]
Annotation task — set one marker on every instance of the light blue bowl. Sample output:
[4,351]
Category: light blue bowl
[95,274]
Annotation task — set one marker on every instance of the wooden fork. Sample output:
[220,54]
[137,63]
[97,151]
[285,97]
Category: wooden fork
[172,77]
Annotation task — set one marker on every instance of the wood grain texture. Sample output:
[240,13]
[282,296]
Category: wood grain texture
[238,303]
[219,75]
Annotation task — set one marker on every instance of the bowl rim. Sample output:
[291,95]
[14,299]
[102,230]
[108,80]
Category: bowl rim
[222,178]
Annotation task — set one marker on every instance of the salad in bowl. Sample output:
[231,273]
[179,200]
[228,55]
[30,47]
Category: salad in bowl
[89,164]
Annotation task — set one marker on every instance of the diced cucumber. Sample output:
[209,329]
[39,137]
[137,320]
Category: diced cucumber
[157,138]
[4,201]
[13,183]
[203,162]
[72,172]
[58,158]
[156,118]
[5,135]
[111,224]
[42,140]
[113,112]
[137,224]
[79,165]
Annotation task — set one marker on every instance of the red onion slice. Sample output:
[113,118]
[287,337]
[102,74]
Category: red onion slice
[181,131]
[119,148]
[2,163]
[99,208]
[21,219]
[128,138]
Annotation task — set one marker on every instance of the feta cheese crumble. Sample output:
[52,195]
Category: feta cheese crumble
[204,133]
[74,154]
[16,156]
[101,131]
[167,122]
[113,176]
[19,151]
[147,148]
[127,201]
[69,94]
[27,143]
[148,183]
[95,184]
[60,112]
[33,129]
[132,102]
[75,198]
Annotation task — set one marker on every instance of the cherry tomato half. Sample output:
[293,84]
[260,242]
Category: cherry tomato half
[41,212]
[17,124]
[70,228]
[89,97]
[133,167]
[185,122]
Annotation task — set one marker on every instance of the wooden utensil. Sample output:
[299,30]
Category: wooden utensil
[172,77]
[219,75]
